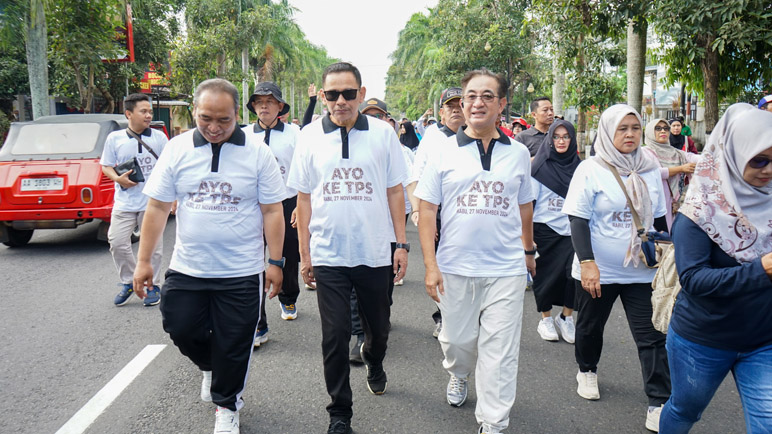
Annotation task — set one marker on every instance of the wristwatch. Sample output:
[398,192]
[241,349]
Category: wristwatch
[531,252]
[405,246]
[277,262]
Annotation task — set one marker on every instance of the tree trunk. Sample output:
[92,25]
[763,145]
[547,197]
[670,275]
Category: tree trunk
[244,85]
[636,63]
[709,65]
[221,68]
[88,103]
[581,121]
[37,58]
[559,86]
[109,98]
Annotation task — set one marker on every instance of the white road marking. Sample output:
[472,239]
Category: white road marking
[96,405]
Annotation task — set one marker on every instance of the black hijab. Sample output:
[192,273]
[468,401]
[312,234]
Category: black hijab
[409,138]
[551,168]
[677,141]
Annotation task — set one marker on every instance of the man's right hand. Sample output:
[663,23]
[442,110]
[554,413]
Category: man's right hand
[433,282]
[311,90]
[143,277]
[124,180]
[307,271]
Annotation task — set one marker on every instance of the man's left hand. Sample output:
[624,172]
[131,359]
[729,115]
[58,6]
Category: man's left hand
[273,279]
[400,264]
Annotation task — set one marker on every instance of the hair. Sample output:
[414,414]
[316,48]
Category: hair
[217,85]
[131,101]
[485,72]
[764,107]
[535,103]
[342,67]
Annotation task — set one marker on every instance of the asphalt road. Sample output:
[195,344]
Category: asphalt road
[62,341]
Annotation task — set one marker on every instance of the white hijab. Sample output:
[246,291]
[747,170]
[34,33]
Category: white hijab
[736,215]
[630,165]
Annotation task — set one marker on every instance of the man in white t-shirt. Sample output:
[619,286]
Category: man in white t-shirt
[348,170]
[478,273]
[145,144]
[229,189]
[267,102]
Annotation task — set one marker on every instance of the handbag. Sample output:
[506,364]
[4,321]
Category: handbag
[133,164]
[653,243]
[666,287]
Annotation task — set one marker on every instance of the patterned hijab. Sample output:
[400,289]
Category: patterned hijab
[668,156]
[630,165]
[736,215]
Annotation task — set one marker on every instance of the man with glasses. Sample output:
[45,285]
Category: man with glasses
[267,103]
[348,170]
[477,275]
[544,115]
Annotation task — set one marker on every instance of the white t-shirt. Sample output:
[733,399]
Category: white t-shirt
[481,225]
[409,157]
[281,142]
[548,209]
[120,147]
[350,220]
[219,221]
[429,145]
[594,194]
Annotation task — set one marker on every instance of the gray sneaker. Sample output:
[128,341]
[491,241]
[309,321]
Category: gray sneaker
[457,391]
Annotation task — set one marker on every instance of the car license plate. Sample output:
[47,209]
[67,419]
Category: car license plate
[40,184]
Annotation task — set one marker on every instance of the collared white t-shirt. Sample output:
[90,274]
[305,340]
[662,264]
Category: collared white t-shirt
[548,209]
[120,147]
[481,226]
[429,145]
[219,221]
[594,194]
[350,220]
[281,141]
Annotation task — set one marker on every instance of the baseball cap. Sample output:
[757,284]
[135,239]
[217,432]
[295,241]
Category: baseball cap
[765,100]
[268,88]
[449,94]
[373,103]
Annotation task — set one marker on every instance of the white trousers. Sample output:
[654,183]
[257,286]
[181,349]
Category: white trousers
[122,224]
[481,322]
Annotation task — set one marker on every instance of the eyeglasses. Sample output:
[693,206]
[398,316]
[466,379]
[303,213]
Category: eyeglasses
[759,162]
[658,129]
[333,95]
[486,98]
[558,138]
[374,115]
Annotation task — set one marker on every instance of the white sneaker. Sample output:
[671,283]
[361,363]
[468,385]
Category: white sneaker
[567,329]
[547,330]
[206,386]
[588,385]
[457,391]
[486,428]
[652,418]
[399,282]
[226,421]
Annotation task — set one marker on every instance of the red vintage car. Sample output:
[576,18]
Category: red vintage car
[50,176]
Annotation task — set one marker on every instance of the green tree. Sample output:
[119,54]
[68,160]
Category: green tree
[718,48]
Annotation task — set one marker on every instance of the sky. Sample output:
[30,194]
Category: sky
[363,32]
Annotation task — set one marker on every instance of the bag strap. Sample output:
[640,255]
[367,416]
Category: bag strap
[139,139]
[636,218]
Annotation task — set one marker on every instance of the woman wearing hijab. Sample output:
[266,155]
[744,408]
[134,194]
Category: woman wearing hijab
[678,140]
[606,265]
[551,171]
[723,243]
[407,136]
[675,164]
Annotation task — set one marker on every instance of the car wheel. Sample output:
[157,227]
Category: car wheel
[17,237]
[135,235]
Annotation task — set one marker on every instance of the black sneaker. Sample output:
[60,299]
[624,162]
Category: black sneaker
[376,376]
[340,426]
[355,356]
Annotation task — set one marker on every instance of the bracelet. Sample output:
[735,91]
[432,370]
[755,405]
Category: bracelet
[586,261]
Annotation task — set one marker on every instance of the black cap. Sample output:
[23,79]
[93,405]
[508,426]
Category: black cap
[267,88]
[373,103]
[449,94]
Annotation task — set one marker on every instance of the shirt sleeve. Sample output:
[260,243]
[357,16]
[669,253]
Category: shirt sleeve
[581,193]
[397,169]
[430,185]
[161,183]
[298,177]
[108,153]
[270,184]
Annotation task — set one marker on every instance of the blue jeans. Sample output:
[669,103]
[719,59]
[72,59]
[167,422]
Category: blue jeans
[696,371]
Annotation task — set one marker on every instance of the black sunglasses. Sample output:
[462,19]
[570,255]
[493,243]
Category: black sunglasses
[348,94]
[759,162]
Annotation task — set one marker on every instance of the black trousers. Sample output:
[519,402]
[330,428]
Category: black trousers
[290,290]
[356,323]
[591,321]
[214,328]
[333,292]
[553,284]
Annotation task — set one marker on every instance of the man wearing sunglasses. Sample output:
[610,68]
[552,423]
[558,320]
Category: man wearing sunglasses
[348,170]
